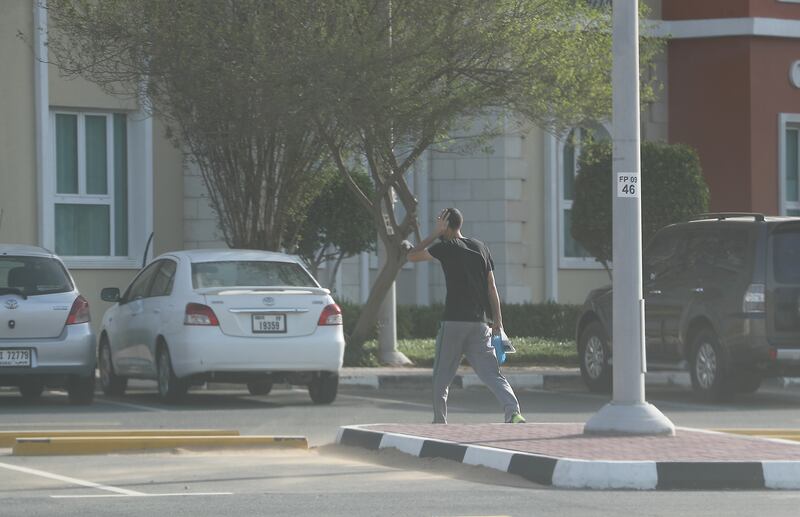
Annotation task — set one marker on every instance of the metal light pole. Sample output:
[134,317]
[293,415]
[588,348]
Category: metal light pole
[387,320]
[628,412]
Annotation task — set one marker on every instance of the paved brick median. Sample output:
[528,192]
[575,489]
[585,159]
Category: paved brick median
[568,441]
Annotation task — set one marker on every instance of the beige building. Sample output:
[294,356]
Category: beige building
[84,174]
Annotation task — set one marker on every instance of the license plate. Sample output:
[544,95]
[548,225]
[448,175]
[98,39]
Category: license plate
[269,323]
[15,357]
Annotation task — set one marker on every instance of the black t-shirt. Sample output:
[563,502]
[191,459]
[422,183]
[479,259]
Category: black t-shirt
[466,264]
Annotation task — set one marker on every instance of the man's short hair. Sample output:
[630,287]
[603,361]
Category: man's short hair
[454,218]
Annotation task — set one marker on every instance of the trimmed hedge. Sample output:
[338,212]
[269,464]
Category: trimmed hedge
[544,320]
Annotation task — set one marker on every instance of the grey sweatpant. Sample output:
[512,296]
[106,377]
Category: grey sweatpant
[473,339]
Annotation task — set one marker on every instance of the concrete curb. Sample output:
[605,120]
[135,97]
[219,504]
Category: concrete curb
[409,379]
[9,438]
[414,378]
[79,445]
[601,475]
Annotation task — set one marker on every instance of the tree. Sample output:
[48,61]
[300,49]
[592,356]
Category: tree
[337,225]
[673,189]
[375,82]
[390,78]
[217,73]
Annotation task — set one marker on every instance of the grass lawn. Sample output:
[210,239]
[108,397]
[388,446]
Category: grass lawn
[531,351]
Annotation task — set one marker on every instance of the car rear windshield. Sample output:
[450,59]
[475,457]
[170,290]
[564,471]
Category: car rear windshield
[32,276]
[786,257]
[250,273]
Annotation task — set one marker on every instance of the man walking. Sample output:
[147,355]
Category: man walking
[471,303]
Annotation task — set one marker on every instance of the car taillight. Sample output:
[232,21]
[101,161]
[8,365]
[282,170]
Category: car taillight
[754,299]
[331,315]
[199,314]
[79,313]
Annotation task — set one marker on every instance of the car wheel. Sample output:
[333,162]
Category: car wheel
[31,390]
[80,390]
[323,387]
[709,367]
[261,387]
[170,387]
[593,354]
[112,384]
[748,382]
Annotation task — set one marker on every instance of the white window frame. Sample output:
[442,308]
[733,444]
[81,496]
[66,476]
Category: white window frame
[82,197]
[140,187]
[785,121]
[562,204]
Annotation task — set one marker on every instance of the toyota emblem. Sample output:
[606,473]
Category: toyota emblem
[269,301]
[11,304]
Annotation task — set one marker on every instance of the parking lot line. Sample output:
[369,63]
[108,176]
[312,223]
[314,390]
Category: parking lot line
[74,481]
[392,401]
[176,494]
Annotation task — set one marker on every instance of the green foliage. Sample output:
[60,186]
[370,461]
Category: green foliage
[390,79]
[530,352]
[673,189]
[543,320]
[337,225]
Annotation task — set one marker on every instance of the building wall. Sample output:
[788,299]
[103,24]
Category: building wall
[709,99]
[772,94]
[168,180]
[76,92]
[18,194]
[201,228]
[489,189]
[708,9]
[535,211]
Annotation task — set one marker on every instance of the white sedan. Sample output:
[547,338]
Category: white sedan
[234,316]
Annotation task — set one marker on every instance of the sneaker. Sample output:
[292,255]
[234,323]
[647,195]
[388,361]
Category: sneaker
[516,418]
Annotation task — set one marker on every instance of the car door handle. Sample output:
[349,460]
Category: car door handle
[157,311]
[654,291]
[698,290]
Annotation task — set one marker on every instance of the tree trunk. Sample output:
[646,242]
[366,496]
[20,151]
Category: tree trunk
[371,309]
[335,270]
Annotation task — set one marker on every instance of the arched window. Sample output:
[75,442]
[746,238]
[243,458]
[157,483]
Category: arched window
[572,254]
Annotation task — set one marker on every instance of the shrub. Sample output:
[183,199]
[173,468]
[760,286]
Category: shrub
[673,189]
[544,320]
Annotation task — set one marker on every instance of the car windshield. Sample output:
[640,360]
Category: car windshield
[250,273]
[31,276]
[786,257]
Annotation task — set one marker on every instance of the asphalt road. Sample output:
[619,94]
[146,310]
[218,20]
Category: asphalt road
[329,480]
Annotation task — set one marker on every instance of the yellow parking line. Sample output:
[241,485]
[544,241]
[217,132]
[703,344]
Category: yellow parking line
[9,438]
[107,444]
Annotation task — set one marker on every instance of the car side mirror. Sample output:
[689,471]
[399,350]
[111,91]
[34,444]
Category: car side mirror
[110,294]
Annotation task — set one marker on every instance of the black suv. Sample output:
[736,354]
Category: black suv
[722,298]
